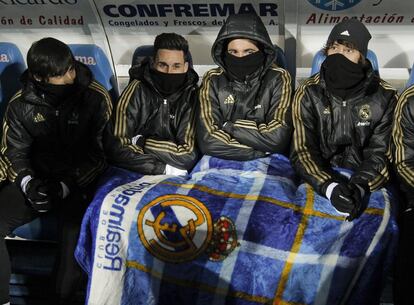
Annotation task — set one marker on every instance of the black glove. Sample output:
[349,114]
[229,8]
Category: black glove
[358,194]
[228,127]
[409,205]
[37,195]
[54,189]
[407,222]
[342,198]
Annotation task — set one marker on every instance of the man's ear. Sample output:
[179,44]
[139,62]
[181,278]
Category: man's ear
[186,67]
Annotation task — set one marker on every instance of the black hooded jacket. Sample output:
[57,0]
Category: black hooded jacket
[354,133]
[244,120]
[3,169]
[61,141]
[149,130]
[403,135]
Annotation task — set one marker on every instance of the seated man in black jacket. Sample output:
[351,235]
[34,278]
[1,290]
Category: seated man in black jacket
[52,146]
[3,171]
[152,130]
[402,133]
[244,110]
[342,118]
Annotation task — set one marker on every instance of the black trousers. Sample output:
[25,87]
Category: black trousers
[403,293]
[15,211]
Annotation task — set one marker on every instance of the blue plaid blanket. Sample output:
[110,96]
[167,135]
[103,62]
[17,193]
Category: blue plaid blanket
[231,233]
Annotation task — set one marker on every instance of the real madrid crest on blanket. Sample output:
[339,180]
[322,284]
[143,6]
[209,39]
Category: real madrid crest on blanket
[177,228]
[156,240]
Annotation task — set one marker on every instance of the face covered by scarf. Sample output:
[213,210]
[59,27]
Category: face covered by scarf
[55,93]
[168,83]
[342,76]
[240,67]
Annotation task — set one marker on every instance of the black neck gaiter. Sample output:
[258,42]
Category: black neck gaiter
[168,83]
[343,77]
[55,94]
[240,67]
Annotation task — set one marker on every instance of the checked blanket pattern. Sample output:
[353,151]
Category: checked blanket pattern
[231,233]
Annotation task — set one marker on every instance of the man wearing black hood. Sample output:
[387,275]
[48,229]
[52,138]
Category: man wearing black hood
[342,118]
[244,106]
[153,127]
[52,146]
[3,171]
[403,131]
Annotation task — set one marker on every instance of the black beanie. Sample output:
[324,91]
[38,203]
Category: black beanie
[351,30]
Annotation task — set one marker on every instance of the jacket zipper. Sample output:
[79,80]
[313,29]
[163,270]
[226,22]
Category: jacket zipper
[56,115]
[344,109]
[165,117]
[344,128]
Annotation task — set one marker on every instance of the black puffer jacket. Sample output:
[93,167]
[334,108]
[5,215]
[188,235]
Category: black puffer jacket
[165,125]
[3,169]
[63,141]
[403,135]
[244,120]
[353,134]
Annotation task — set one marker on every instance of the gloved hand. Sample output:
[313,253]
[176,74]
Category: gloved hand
[409,206]
[36,192]
[359,190]
[171,170]
[358,193]
[228,127]
[407,221]
[138,140]
[342,198]
[57,189]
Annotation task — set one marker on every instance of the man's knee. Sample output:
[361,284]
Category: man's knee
[14,211]
[3,230]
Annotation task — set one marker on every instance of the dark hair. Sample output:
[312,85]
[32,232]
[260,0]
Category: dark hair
[171,41]
[49,57]
[362,59]
[255,42]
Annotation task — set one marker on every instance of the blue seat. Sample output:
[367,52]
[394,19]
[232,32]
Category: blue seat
[410,81]
[12,66]
[320,57]
[43,228]
[147,51]
[281,58]
[95,58]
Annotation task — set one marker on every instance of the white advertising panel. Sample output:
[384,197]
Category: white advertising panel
[390,23]
[130,24]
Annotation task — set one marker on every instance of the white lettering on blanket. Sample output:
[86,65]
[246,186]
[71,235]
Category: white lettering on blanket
[117,212]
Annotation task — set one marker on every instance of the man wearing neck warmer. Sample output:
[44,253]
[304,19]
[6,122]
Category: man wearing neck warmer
[244,104]
[342,118]
[152,131]
[53,155]
[403,131]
